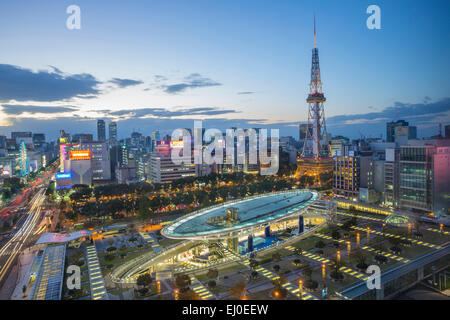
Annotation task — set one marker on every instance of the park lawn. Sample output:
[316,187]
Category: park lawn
[306,244]
[222,271]
[168,242]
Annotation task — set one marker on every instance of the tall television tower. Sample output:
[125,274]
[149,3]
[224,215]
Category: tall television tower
[316,138]
[315,156]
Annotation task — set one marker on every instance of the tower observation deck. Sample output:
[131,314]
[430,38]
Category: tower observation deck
[315,156]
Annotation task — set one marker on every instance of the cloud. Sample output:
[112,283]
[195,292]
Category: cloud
[15,109]
[123,83]
[166,114]
[245,92]
[192,81]
[406,111]
[21,84]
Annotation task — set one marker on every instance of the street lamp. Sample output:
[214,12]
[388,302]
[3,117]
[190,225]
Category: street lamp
[323,273]
[300,289]
[349,246]
[338,257]
[158,287]
[409,227]
[368,234]
[441,227]
[357,239]
[176,294]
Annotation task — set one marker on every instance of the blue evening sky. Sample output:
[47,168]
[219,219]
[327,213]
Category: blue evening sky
[250,59]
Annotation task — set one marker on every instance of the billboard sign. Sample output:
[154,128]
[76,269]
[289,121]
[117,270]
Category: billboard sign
[80,155]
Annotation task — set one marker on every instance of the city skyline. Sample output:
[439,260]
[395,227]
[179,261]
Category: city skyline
[166,79]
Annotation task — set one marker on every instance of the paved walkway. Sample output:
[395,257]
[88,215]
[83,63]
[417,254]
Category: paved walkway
[367,248]
[359,216]
[200,289]
[390,235]
[150,240]
[97,284]
[288,286]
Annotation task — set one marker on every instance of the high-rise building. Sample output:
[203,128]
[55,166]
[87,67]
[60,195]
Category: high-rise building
[15,135]
[390,129]
[155,137]
[38,140]
[83,137]
[391,176]
[101,130]
[304,130]
[113,132]
[24,161]
[315,157]
[3,142]
[416,178]
[412,132]
[163,170]
[447,131]
[441,179]
[100,161]
[123,156]
[346,176]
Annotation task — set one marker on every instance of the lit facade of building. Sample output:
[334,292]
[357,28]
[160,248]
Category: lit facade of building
[101,164]
[416,178]
[346,175]
[441,179]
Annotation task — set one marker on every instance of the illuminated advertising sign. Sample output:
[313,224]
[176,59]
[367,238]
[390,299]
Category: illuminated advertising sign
[63,175]
[80,155]
[177,144]
[62,140]
[162,143]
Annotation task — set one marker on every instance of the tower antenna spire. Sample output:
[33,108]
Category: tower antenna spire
[315,31]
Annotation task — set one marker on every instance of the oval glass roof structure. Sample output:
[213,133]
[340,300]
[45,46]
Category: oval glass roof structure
[240,214]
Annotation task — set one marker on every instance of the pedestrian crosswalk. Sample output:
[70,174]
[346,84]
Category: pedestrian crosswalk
[295,291]
[353,273]
[288,286]
[359,216]
[438,231]
[347,270]
[200,289]
[386,254]
[390,235]
[367,248]
[150,240]
[98,290]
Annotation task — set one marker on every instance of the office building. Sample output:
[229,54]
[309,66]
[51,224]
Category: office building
[112,132]
[416,178]
[101,130]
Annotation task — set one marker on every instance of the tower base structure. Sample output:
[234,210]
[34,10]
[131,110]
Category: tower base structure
[314,168]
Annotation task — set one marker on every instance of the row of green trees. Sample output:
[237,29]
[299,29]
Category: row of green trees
[147,205]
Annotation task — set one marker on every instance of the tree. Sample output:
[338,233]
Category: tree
[276,256]
[238,289]
[143,209]
[335,235]
[279,292]
[212,273]
[320,244]
[144,280]
[182,281]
